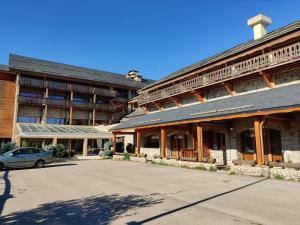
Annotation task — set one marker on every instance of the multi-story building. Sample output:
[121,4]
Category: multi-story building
[44,102]
[243,104]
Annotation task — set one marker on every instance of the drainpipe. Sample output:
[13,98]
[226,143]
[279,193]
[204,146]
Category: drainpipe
[262,140]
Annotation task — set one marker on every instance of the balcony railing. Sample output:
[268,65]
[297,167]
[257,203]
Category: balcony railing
[105,107]
[30,100]
[272,59]
[57,85]
[105,92]
[86,105]
[30,82]
[55,102]
[82,89]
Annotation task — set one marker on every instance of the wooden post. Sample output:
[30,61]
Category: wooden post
[114,142]
[163,142]
[138,142]
[85,147]
[54,141]
[199,141]
[94,110]
[258,140]
[71,108]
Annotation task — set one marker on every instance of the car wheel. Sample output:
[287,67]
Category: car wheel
[40,164]
[1,166]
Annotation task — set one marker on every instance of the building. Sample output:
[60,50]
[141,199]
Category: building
[45,102]
[241,104]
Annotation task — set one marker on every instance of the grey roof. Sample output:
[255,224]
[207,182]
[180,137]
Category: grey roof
[4,67]
[43,130]
[232,51]
[58,69]
[275,98]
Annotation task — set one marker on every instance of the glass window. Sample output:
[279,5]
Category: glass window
[80,99]
[28,119]
[152,142]
[35,150]
[51,120]
[30,94]
[247,142]
[57,97]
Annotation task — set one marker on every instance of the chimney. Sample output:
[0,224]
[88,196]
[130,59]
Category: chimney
[134,75]
[259,23]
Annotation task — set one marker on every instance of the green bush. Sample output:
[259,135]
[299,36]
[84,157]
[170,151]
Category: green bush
[59,151]
[108,145]
[7,147]
[126,156]
[25,144]
[107,153]
[130,148]
[120,147]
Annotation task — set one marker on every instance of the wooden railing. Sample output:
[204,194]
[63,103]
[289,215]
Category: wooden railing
[271,59]
[82,89]
[30,100]
[57,85]
[30,82]
[105,107]
[105,92]
[54,102]
[87,105]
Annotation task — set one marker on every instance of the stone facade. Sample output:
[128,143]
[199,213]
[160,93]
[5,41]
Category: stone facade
[172,162]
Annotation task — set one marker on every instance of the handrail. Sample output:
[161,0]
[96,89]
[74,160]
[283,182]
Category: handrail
[277,57]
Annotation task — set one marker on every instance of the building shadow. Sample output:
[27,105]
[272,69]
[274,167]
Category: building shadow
[192,204]
[6,193]
[94,210]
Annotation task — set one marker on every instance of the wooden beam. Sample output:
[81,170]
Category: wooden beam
[258,140]
[163,142]
[176,101]
[229,88]
[200,141]
[138,142]
[158,106]
[199,96]
[268,78]
[114,142]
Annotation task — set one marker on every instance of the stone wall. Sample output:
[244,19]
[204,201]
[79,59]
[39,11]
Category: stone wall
[150,152]
[172,162]
[218,155]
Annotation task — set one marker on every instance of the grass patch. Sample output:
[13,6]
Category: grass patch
[212,169]
[126,156]
[278,177]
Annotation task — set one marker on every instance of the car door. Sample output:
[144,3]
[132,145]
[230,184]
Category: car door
[29,157]
[16,159]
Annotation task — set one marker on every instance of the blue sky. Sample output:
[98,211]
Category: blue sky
[156,37]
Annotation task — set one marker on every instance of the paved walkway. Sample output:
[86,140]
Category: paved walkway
[113,192]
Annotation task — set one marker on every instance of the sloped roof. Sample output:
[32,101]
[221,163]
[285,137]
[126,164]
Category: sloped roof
[23,63]
[51,130]
[232,51]
[275,98]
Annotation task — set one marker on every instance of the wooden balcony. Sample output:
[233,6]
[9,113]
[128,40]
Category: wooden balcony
[58,103]
[58,85]
[105,92]
[105,107]
[290,53]
[30,100]
[85,105]
[30,82]
[82,89]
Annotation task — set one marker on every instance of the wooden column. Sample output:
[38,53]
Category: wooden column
[114,142]
[54,141]
[163,142]
[258,140]
[71,108]
[138,142]
[199,141]
[94,110]
[85,147]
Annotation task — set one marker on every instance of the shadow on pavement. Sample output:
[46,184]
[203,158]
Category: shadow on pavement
[192,204]
[60,164]
[6,194]
[93,210]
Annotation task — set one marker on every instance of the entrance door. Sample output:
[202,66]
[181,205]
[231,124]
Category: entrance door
[272,145]
[208,141]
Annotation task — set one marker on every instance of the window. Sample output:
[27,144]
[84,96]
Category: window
[122,93]
[80,99]
[152,142]
[28,119]
[51,120]
[57,97]
[30,94]
[247,142]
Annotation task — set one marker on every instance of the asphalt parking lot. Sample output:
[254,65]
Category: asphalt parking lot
[117,192]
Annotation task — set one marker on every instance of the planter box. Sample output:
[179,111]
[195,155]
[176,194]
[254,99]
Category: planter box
[118,157]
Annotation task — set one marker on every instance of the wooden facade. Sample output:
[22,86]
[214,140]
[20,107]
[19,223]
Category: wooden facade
[7,101]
